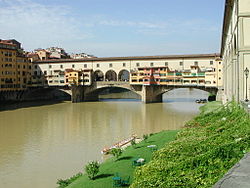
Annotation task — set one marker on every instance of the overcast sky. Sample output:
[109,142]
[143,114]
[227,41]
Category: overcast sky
[108,28]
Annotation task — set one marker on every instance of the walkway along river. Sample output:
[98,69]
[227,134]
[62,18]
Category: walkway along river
[41,144]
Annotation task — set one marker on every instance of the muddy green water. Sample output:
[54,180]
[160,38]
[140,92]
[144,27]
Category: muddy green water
[41,144]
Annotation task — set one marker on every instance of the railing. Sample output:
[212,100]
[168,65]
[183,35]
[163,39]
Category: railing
[112,83]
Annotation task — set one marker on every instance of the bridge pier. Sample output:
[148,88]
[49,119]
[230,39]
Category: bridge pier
[219,95]
[148,94]
[77,94]
[82,94]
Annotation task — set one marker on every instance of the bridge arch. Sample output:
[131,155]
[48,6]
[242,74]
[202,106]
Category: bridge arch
[111,75]
[123,75]
[160,91]
[111,89]
[98,75]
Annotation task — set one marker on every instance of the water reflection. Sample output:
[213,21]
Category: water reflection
[38,145]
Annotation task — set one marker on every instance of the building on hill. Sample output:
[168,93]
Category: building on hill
[57,53]
[42,54]
[81,55]
[235,50]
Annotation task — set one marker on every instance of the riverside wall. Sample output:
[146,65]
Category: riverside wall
[33,94]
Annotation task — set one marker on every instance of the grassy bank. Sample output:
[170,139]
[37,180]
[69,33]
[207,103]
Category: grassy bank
[123,166]
[203,151]
[210,107]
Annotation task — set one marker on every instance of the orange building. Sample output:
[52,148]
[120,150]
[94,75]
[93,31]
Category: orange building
[15,69]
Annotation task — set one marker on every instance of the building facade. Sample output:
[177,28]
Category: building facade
[15,69]
[235,49]
[78,77]
[189,69]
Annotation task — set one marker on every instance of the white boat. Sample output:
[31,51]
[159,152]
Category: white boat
[119,144]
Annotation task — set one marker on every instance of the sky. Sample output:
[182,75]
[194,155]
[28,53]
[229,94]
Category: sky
[109,28]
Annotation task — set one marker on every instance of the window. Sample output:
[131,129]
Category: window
[61,66]
[196,63]
[124,64]
[50,66]
[35,66]
[45,72]
[97,65]
[181,63]
[166,64]
[211,62]
[220,62]
[137,64]
[219,78]
[110,65]
[151,64]
[219,70]
[85,65]
[73,66]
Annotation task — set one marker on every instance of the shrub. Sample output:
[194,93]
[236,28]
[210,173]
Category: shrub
[92,168]
[64,183]
[145,137]
[151,134]
[133,143]
[116,152]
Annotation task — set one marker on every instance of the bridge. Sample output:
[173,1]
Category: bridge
[147,76]
[147,93]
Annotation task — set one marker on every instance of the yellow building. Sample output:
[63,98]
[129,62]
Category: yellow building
[78,77]
[23,71]
[15,69]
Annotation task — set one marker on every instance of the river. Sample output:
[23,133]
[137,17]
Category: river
[41,144]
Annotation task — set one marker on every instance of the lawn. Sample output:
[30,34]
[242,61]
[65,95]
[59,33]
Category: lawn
[123,165]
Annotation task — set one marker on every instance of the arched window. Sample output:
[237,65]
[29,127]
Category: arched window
[111,76]
[123,75]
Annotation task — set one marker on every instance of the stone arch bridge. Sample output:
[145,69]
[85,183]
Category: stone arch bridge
[147,93]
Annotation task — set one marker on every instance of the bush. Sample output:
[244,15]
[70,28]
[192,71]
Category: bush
[116,152]
[145,137]
[202,153]
[133,143]
[92,168]
[64,183]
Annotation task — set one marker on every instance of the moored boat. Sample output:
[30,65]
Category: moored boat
[119,144]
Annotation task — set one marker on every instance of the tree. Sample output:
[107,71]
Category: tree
[116,152]
[92,168]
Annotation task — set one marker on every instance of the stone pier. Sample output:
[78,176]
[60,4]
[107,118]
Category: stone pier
[149,94]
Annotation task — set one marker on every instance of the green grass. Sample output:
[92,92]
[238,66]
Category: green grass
[210,107]
[202,153]
[123,166]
